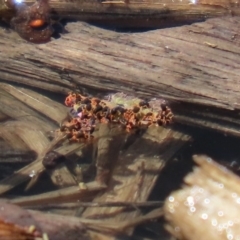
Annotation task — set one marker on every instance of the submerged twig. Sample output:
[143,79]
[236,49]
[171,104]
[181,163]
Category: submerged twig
[210,199]
[67,194]
[121,226]
[99,205]
[33,168]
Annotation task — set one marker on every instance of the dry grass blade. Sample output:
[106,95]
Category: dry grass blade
[68,194]
[101,204]
[30,134]
[12,139]
[113,227]
[15,109]
[108,227]
[44,105]
[29,131]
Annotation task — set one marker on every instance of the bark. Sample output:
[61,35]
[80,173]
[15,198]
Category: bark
[132,9]
[195,66]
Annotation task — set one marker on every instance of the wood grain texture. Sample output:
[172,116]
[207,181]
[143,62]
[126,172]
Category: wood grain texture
[197,63]
[133,9]
[135,173]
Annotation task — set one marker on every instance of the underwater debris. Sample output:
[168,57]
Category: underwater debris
[210,199]
[13,231]
[130,112]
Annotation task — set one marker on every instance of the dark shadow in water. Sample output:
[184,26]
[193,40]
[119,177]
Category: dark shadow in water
[216,145]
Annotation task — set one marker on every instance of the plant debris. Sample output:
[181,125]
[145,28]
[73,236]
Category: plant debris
[122,167]
[132,113]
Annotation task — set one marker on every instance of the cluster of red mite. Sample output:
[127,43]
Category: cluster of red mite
[86,113]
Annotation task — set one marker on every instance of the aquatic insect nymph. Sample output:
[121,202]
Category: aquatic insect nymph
[33,22]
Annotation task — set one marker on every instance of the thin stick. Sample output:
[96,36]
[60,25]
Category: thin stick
[102,204]
[61,195]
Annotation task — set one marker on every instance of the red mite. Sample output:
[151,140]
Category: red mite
[33,22]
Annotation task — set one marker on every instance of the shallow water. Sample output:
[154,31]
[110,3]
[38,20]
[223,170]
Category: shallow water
[224,149]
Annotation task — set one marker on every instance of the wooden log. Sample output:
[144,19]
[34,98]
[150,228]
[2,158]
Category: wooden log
[125,10]
[208,207]
[196,64]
